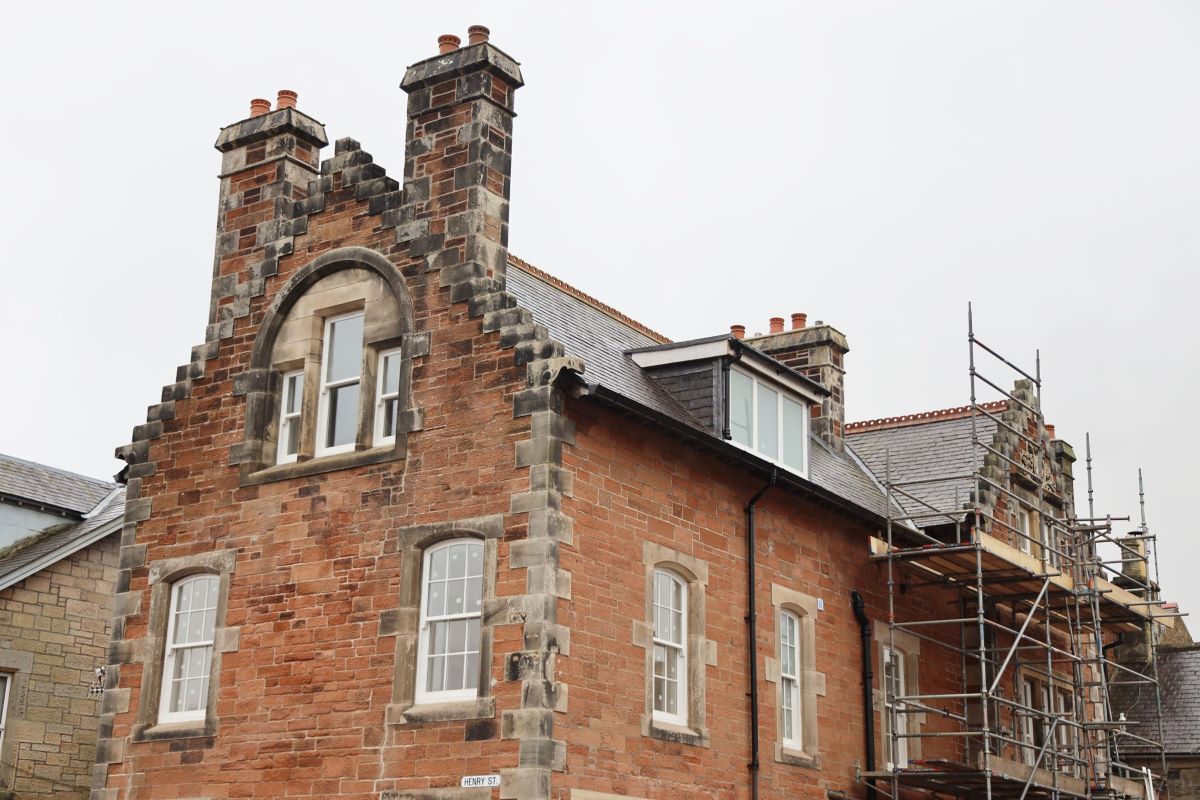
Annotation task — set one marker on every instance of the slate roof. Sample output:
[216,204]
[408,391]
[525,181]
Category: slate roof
[600,336]
[1179,675]
[929,449]
[47,486]
[27,556]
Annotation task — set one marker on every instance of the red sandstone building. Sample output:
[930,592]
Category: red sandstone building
[419,521]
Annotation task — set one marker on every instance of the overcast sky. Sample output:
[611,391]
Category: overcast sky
[875,165]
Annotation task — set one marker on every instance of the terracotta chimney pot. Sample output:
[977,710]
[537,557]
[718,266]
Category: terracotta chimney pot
[1050,430]
[448,43]
[738,331]
[776,324]
[285,99]
[799,321]
[477,34]
[259,106]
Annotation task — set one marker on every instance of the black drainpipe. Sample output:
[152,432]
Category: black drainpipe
[864,629]
[752,621]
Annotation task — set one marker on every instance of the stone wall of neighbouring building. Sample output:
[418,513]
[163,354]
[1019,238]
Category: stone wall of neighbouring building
[54,632]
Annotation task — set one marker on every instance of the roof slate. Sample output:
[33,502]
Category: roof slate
[925,451]
[601,340]
[44,485]
[20,555]
[1179,676]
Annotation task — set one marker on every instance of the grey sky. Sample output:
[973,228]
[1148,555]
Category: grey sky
[875,165]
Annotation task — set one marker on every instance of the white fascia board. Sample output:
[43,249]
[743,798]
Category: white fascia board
[679,355]
[781,376]
[55,556]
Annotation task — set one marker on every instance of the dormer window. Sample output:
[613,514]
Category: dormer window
[740,394]
[763,418]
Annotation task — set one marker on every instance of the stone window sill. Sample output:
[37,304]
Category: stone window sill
[669,732]
[479,708]
[192,729]
[331,463]
[797,758]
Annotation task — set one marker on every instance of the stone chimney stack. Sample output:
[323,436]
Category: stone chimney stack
[817,351]
[458,160]
[267,162]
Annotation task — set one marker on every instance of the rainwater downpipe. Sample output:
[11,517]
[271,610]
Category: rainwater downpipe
[864,629]
[752,622]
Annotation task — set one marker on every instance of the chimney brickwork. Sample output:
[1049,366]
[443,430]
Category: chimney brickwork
[817,352]
[458,159]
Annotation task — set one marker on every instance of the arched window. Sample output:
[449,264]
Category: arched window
[188,652]
[451,611]
[670,647]
[330,379]
[789,679]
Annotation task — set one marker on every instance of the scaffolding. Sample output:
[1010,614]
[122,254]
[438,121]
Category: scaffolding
[1038,608]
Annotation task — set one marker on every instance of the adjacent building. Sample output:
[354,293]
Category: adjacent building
[419,520]
[58,564]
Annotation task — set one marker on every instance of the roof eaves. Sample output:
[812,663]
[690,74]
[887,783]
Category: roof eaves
[54,556]
[729,453]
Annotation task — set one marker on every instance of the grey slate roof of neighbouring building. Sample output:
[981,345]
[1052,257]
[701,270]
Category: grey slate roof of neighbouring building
[938,448]
[33,553]
[1179,676]
[47,486]
[595,334]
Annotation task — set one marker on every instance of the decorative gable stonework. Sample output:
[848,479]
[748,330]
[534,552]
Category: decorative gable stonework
[315,590]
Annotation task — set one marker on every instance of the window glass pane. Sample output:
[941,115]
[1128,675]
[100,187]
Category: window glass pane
[295,387]
[454,671]
[458,561]
[768,422]
[389,417]
[342,424]
[474,595]
[437,565]
[741,393]
[436,604]
[475,559]
[345,348]
[391,373]
[472,677]
[793,434]
[435,674]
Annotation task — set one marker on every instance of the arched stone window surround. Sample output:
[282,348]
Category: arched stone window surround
[262,382]
[811,683]
[411,543]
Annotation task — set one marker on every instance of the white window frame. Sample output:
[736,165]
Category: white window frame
[680,647]
[1025,526]
[1064,734]
[286,420]
[326,385]
[8,682]
[898,658]
[381,399]
[784,394]
[790,682]
[421,694]
[170,651]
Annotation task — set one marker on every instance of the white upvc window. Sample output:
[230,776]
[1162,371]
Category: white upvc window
[289,416]
[789,679]
[451,609]
[1027,521]
[388,393]
[341,379]
[5,686]
[187,659]
[765,419]
[895,676]
[1064,734]
[670,648]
